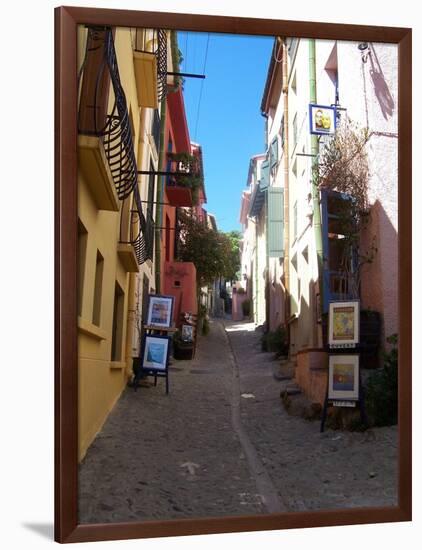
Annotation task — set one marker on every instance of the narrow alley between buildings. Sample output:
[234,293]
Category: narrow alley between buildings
[222,444]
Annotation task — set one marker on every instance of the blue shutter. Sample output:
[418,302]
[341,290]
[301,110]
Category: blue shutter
[325,272]
[264,182]
[275,222]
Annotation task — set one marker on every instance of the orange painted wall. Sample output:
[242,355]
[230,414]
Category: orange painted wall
[180,282]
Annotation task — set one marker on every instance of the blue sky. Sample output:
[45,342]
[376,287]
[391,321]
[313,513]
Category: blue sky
[230,127]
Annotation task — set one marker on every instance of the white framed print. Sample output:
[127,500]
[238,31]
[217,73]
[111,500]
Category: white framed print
[343,323]
[160,310]
[155,352]
[343,377]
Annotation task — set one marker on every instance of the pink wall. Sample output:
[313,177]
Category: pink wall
[180,282]
[237,312]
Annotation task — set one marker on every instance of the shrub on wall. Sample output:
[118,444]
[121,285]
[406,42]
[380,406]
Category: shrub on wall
[381,397]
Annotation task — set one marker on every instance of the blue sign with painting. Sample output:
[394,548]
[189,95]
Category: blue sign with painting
[322,119]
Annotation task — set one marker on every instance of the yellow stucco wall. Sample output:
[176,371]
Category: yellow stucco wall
[101,381]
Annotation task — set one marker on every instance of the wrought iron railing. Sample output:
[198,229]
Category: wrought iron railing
[141,230]
[159,49]
[156,129]
[98,70]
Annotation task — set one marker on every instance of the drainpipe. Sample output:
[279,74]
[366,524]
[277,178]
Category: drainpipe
[285,88]
[316,220]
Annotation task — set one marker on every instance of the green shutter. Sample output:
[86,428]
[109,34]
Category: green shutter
[264,182]
[275,222]
[274,152]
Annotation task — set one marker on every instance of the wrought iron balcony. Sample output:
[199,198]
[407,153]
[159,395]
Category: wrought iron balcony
[141,230]
[156,130]
[100,70]
[150,64]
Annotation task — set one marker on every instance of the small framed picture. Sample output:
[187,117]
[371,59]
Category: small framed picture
[155,352]
[343,326]
[160,310]
[187,333]
[322,119]
[343,377]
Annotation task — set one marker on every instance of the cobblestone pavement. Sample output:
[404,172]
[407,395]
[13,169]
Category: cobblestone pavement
[221,444]
[335,469]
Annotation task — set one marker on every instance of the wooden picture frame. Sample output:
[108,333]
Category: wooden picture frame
[67,529]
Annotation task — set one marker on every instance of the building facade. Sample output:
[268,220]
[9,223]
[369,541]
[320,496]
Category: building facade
[130,117]
[360,82]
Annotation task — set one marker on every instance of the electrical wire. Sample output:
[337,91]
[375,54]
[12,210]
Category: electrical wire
[202,86]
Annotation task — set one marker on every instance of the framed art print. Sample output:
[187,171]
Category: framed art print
[168,125]
[187,333]
[155,354]
[160,310]
[344,323]
[343,377]
[322,119]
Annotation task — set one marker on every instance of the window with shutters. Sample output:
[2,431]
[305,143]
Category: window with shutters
[274,153]
[339,257]
[294,125]
[264,181]
[275,198]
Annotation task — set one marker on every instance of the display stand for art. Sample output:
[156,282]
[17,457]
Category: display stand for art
[346,403]
[145,371]
[342,351]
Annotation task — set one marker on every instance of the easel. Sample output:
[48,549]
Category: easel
[151,330]
[345,403]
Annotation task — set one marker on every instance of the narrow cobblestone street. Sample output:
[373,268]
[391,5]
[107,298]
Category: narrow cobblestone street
[221,444]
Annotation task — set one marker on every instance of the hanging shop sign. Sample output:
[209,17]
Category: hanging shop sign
[322,119]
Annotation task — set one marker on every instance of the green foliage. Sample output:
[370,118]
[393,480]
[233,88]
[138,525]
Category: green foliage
[177,59]
[192,178]
[209,250]
[202,310]
[233,266]
[382,389]
[246,308]
[275,341]
[205,326]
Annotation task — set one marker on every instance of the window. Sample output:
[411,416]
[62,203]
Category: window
[339,258]
[82,244]
[98,289]
[294,88]
[274,153]
[275,197]
[117,334]
[294,126]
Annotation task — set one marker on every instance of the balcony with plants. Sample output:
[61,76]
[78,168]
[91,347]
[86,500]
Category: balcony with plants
[185,179]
